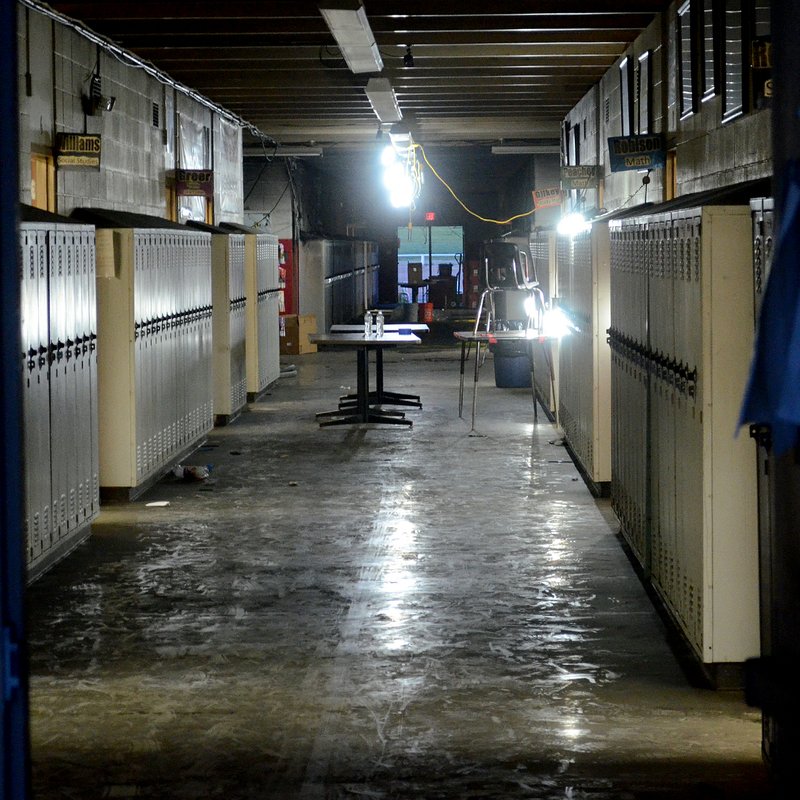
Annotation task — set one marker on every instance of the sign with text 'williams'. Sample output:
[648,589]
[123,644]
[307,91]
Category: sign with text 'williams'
[636,152]
[79,150]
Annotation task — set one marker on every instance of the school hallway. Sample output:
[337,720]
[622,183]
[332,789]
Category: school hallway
[372,612]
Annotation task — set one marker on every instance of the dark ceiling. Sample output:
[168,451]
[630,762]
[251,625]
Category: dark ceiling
[503,69]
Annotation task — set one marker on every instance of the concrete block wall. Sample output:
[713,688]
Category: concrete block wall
[709,154]
[136,153]
[269,201]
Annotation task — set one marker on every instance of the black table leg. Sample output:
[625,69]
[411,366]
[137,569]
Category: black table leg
[461,381]
[363,412]
[380,396]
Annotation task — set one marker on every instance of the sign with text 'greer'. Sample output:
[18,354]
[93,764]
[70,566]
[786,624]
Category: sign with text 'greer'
[80,150]
[582,176]
[636,152]
[194,182]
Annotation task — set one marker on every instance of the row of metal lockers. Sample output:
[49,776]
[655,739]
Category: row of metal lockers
[650,381]
[338,279]
[59,358]
[136,338]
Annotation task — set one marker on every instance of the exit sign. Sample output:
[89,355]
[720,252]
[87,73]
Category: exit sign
[430,216]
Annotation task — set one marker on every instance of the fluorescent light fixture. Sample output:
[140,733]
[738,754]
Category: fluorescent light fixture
[525,149]
[348,23]
[382,98]
[283,151]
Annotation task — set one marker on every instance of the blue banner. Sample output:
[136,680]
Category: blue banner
[773,392]
[636,152]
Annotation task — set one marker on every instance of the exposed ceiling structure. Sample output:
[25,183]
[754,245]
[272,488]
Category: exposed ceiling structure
[500,70]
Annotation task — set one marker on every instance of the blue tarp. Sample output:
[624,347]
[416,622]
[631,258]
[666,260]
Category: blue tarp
[773,391]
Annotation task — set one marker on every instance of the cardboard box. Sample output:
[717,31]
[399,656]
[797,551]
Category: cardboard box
[294,334]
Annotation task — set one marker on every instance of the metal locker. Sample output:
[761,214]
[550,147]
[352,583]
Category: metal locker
[542,246]
[584,355]
[228,341]
[58,422]
[688,379]
[36,403]
[154,359]
[58,381]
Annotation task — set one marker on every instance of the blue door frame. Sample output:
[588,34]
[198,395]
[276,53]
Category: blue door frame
[14,768]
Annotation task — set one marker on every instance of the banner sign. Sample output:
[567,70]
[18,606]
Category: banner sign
[78,150]
[583,176]
[546,198]
[636,152]
[194,183]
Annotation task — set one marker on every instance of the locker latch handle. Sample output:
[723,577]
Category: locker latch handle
[762,433]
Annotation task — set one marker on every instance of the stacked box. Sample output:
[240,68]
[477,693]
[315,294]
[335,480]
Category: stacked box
[295,330]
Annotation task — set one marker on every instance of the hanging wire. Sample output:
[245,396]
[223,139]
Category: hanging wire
[461,203]
[131,60]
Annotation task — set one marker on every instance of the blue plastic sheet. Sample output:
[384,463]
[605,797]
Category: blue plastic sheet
[773,392]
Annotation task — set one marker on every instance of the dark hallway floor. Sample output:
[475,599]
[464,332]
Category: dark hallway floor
[371,612]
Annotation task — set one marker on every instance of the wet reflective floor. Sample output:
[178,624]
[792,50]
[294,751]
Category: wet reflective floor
[371,612]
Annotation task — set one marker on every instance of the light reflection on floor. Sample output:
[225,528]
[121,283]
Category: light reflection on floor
[371,613]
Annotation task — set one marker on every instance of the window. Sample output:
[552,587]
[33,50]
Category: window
[626,96]
[733,62]
[709,73]
[644,90]
[746,57]
[684,53]
[576,131]
[761,55]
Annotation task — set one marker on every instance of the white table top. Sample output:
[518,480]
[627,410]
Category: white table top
[389,327]
[485,336]
[388,339]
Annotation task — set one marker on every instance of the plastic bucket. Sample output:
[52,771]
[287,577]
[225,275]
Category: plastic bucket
[512,372]
[426,312]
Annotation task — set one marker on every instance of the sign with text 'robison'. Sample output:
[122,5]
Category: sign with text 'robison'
[78,150]
[581,176]
[636,152]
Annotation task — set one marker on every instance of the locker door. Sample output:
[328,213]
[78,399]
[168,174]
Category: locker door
[90,351]
[58,381]
[36,392]
[70,439]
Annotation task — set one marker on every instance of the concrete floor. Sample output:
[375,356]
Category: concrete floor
[371,612]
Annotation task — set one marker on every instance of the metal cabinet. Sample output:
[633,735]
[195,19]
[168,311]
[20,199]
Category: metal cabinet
[584,381]
[546,354]
[59,386]
[229,325]
[683,484]
[338,279]
[155,348]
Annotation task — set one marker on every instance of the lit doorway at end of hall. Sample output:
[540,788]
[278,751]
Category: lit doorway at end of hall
[429,264]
